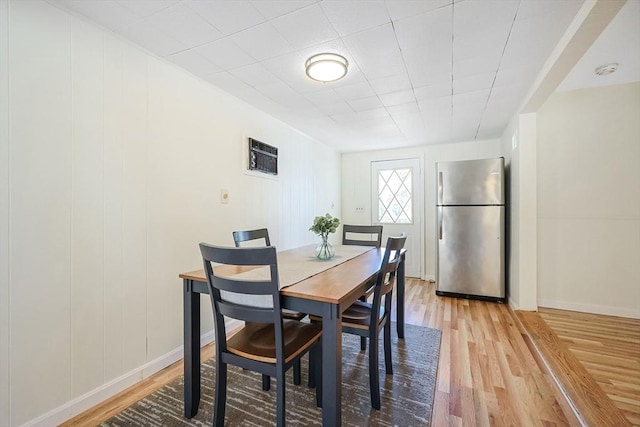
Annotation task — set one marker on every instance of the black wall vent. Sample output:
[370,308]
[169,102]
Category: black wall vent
[263,157]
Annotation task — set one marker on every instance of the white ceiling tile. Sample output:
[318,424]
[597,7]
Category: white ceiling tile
[273,8]
[475,65]
[355,91]
[473,83]
[255,75]
[322,97]
[489,43]
[364,104]
[397,98]
[225,54]
[262,41]
[424,30]
[337,108]
[151,38]
[398,111]
[194,62]
[534,8]
[433,91]
[228,82]
[478,97]
[282,94]
[144,8]
[305,27]
[391,83]
[429,73]
[351,16]
[184,25]
[407,8]
[375,41]
[426,69]
[386,65]
[227,16]
[435,105]
[476,16]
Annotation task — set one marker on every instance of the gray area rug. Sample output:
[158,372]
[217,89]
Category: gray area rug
[407,395]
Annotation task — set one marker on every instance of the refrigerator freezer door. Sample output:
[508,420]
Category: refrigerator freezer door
[471,182]
[470,255]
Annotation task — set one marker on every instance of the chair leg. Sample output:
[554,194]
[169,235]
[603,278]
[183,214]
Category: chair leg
[221,394]
[266,382]
[297,373]
[374,381]
[363,340]
[280,399]
[311,381]
[387,348]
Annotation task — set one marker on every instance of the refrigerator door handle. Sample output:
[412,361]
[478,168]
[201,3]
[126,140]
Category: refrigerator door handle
[440,219]
[440,189]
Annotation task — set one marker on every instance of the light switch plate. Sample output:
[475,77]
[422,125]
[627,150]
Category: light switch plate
[224,196]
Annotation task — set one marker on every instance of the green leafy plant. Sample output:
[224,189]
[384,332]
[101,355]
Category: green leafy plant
[323,225]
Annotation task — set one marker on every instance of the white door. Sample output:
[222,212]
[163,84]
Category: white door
[396,204]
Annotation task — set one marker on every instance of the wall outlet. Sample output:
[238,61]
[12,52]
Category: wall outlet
[359,209]
[224,196]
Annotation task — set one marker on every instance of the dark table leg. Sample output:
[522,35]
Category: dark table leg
[400,299]
[331,367]
[191,309]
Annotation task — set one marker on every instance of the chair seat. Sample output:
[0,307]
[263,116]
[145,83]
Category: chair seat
[257,341]
[290,314]
[359,315]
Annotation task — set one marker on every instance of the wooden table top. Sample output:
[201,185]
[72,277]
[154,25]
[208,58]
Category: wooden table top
[334,285]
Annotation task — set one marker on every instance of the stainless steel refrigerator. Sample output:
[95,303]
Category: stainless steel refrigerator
[470,256]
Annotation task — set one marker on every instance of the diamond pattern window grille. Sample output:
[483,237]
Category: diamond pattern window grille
[395,201]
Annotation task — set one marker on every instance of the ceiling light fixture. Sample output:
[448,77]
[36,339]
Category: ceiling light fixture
[326,67]
[606,69]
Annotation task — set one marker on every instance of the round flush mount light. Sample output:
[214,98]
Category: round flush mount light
[326,67]
[606,69]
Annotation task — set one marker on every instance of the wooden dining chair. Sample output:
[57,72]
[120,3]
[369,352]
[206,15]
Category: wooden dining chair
[363,235]
[268,343]
[263,234]
[368,319]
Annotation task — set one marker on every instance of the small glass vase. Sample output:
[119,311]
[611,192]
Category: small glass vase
[325,250]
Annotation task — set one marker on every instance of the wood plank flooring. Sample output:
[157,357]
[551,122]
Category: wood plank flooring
[487,376]
[608,348]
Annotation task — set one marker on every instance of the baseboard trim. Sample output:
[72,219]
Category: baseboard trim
[590,308]
[100,394]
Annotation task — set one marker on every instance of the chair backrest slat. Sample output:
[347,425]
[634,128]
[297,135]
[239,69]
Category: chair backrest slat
[249,235]
[247,314]
[372,232]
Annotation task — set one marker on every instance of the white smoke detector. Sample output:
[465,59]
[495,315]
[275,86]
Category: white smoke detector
[606,69]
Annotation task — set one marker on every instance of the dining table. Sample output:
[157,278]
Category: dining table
[327,292]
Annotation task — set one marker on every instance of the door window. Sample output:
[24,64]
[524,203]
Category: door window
[395,201]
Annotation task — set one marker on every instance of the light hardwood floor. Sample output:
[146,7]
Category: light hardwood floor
[609,348]
[487,375]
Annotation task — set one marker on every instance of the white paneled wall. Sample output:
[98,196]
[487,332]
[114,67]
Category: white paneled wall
[4,214]
[589,200]
[112,162]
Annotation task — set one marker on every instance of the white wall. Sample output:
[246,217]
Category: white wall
[356,182]
[112,162]
[589,200]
